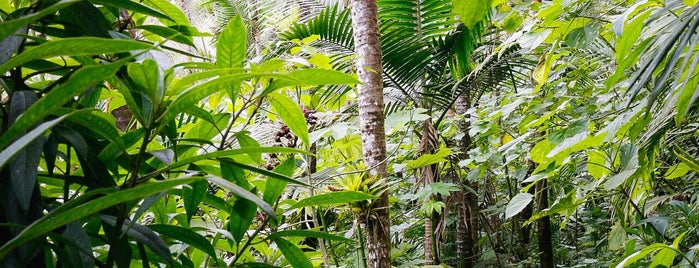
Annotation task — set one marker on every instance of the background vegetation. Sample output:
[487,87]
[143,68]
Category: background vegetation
[224,133]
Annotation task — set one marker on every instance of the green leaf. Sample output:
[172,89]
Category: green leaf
[23,167]
[10,27]
[80,81]
[274,187]
[143,235]
[291,114]
[633,258]
[192,196]
[442,188]
[664,258]
[517,204]
[685,157]
[185,235]
[270,174]
[133,6]
[472,11]
[168,33]
[309,233]
[618,179]
[596,164]
[292,253]
[540,150]
[81,255]
[174,13]
[101,123]
[76,46]
[332,198]
[617,237]
[243,194]
[79,210]
[429,159]
[230,48]
[676,171]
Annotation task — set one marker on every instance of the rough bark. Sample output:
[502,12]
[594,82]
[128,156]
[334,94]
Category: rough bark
[368,48]
[544,228]
[467,245]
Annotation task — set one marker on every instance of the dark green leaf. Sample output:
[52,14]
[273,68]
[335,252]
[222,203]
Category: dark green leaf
[77,210]
[185,235]
[333,198]
[243,194]
[74,47]
[172,11]
[192,197]
[274,187]
[133,6]
[23,168]
[9,27]
[292,253]
[76,84]
[168,33]
[517,204]
[81,255]
[143,235]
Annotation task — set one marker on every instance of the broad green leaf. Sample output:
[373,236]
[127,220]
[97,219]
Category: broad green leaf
[663,258]
[174,13]
[9,45]
[168,33]
[80,81]
[472,11]
[47,224]
[75,46]
[596,164]
[677,170]
[9,27]
[270,174]
[618,179]
[633,258]
[540,150]
[291,114]
[192,195]
[81,254]
[691,3]
[243,212]
[243,194]
[292,253]
[685,157]
[429,159]
[230,48]
[185,235]
[576,143]
[443,188]
[133,6]
[23,167]
[143,235]
[274,187]
[245,141]
[617,237]
[517,204]
[333,198]
[102,124]
[309,233]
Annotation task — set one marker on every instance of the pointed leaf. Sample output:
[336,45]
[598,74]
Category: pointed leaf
[75,212]
[244,194]
[429,159]
[192,196]
[517,204]
[230,48]
[9,27]
[143,235]
[292,253]
[333,198]
[291,114]
[275,187]
[75,46]
[185,235]
[80,81]
[309,233]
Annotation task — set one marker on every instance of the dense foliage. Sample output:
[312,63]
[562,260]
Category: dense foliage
[519,133]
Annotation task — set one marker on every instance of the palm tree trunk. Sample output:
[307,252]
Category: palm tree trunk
[368,48]
[471,210]
[544,228]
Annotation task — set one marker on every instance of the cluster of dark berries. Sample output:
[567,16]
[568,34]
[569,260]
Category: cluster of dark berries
[311,119]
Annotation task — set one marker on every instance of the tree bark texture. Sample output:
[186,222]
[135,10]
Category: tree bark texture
[468,218]
[544,228]
[368,48]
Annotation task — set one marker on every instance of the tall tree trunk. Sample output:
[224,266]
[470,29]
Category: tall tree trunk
[461,230]
[429,144]
[544,227]
[469,216]
[368,48]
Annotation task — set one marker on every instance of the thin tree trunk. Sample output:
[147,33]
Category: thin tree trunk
[368,48]
[544,227]
[461,230]
[525,231]
[255,28]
